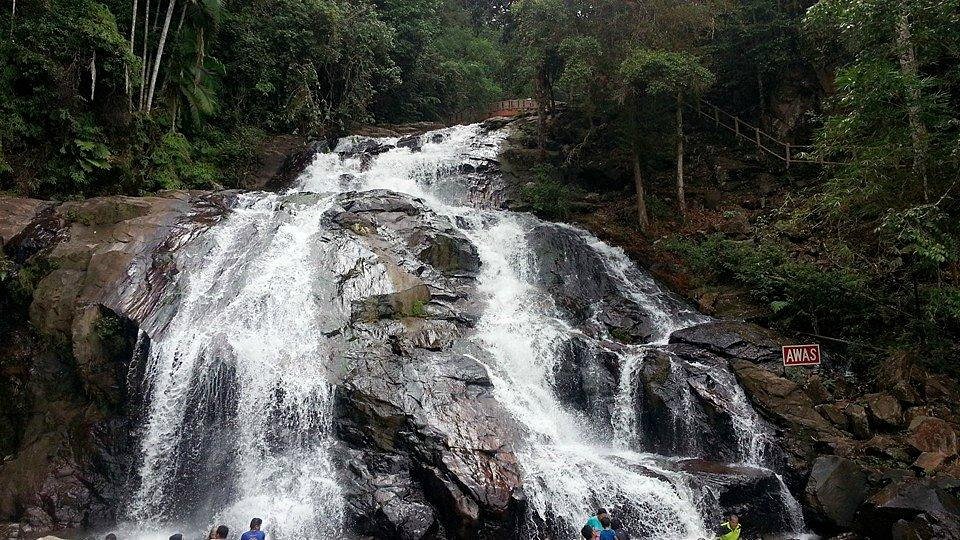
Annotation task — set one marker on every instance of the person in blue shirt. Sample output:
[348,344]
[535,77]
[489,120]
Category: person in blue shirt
[254,533]
[594,521]
[607,533]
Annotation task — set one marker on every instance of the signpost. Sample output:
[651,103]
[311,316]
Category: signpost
[801,355]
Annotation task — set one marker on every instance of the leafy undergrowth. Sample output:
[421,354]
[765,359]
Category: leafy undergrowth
[864,293]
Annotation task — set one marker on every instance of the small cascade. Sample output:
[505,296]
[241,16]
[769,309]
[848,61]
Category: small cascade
[627,426]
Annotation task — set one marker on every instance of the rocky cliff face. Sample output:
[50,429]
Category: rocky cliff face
[70,271]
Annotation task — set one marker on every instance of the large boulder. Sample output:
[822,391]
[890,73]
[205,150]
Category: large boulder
[754,356]
[731,339]
[582,285]
[835,490]
[885,411]
[18,213]
[427,448]
[691,408]
[927,434]
[583,377]
[757,496]
[927,508]
[437,413]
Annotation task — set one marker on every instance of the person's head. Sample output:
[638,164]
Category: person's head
[255,524]
[733,521]
[110,536]
[213,533]
[605,521]
[586,532]
[177,536]
[601,512]
[615,524]
[222,532]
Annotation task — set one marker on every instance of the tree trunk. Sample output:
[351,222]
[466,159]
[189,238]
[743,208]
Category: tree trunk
[143,60]
[183,16]
[918,130]
[13,15]
[681,198]
[159,55]
[93,75]
[126,69]
[641,200]
[541,96]
[201,56]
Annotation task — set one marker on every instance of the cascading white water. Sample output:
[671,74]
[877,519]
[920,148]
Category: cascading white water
[252,308]
[246,347]
[568,468]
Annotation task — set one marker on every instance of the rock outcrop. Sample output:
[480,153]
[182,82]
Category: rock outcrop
[77,267]
[426,447]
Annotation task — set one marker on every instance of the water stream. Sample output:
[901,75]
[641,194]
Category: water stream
[260,289]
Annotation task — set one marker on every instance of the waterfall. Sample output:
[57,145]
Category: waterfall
[240,385]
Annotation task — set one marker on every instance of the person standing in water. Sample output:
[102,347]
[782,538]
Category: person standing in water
[730,529]
[254,533]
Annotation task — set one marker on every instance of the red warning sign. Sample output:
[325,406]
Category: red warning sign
[801,355]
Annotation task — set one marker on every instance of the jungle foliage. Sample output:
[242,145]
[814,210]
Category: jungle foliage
[131,96]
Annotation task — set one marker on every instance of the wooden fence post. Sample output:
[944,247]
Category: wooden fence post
[716,115]
[759,144]
[736,127]
[788,155]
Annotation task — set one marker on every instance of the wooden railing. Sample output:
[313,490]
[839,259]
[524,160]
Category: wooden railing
[789,153]
[506,107]
[512,107]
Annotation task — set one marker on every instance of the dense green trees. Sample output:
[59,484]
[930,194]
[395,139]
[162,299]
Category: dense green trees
[617,63]
[894,126]
[105,96]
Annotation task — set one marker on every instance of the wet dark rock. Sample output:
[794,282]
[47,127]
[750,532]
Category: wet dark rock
[577,278]
[731,339]
[98,264]
[755,495]
[409,389]
[584,377]
[404,405]
[924,506]
[358,146]
[406,303]
[451,254]
[412,142]
[835,490]
[688,408]
[275,177]
[381,201]
[382,497]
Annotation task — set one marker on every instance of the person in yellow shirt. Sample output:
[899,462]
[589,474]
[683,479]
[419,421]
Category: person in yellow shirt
[730,529]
